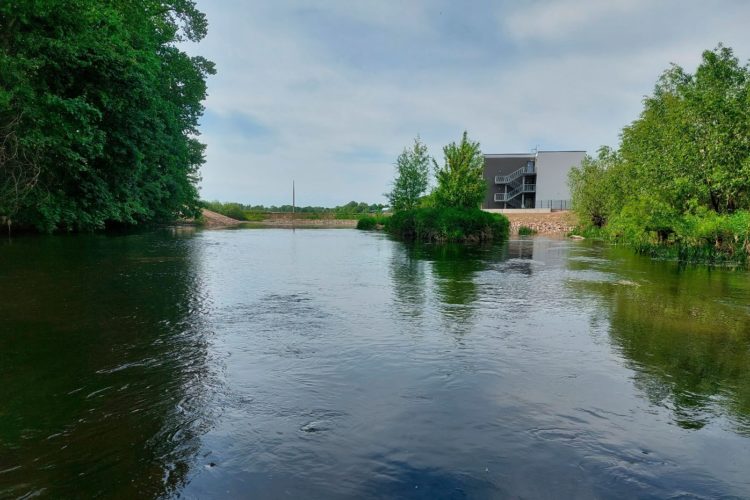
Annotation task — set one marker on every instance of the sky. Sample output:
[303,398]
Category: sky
[328,93]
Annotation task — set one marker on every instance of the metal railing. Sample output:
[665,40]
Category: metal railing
[527,169]
[554,204]
[522,188]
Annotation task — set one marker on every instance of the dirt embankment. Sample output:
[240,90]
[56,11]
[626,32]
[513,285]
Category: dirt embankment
[543,223]
[215,220]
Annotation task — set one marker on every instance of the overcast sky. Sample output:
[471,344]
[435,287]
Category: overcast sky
[329,92]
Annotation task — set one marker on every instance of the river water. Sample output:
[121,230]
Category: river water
[270,363]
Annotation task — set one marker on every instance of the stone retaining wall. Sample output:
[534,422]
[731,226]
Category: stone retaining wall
[544,223]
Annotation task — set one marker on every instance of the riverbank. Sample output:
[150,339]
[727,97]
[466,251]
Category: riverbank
[543,223]
[215,220]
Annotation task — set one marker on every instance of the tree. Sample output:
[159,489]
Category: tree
[19,172]
[690,147]
[460,182]
[594,186]
[412,177]
[104,104]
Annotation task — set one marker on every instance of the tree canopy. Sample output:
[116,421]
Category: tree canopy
[412,177]
[460,181]
[682,172]
[691,144]
[99,111]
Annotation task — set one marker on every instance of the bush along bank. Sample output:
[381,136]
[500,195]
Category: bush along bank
[369,222]
[448,224]
[706,237]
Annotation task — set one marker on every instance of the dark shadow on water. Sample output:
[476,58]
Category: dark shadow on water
[106,375]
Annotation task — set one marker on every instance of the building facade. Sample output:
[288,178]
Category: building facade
[529,180]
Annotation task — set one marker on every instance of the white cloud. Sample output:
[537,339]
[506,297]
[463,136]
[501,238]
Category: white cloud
[277,68]
[561,18]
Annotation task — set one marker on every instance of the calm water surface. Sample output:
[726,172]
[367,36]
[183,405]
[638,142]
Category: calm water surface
[264,363]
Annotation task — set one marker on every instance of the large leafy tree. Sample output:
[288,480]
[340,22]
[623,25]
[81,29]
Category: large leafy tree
[460,182]
[412,177]
[691,145]
[102,108]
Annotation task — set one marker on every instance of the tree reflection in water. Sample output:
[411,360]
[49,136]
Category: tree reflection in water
[106,374]
[452,271]
[685,332]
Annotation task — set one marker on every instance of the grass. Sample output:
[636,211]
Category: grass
[526,231]
[252,216]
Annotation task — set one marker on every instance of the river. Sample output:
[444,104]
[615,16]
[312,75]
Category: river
[268,363]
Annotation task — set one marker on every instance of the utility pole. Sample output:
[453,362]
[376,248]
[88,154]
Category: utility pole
[294,206]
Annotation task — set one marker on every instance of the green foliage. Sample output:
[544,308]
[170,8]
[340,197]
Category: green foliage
[691,144]
[595,188]
[451,212]
[427,201]
[355,208]
[102,109]
[679,185]
[350,211]
[412,173]
[367,222]
[371,222]
[446,224]
[460,182]
[233,210]
[254,216]
[526,231]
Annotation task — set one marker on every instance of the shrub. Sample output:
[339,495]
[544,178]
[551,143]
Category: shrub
[526,231]
[447,224]
[367,223]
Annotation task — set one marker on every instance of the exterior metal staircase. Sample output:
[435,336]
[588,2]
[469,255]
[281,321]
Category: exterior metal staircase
[527,169]
[516,185]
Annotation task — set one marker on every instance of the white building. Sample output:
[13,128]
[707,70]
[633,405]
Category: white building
[530,180]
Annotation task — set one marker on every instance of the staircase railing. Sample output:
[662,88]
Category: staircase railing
[521,188]
[527,169]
